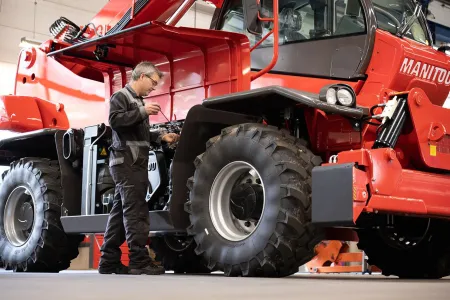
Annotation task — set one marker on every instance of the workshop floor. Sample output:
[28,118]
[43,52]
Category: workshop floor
[86,285]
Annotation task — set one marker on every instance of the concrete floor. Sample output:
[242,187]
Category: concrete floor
[86,285]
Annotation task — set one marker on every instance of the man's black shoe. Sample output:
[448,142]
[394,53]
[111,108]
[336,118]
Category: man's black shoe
[151,269]
[120,269]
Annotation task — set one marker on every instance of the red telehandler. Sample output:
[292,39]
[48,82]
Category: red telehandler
[300,121]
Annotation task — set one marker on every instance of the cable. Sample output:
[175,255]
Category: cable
[372,114]
[164,116]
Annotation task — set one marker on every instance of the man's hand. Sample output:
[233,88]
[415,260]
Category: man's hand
[152,108]
[170,138]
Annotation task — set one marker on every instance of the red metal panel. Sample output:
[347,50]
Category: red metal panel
[114,10]
[301,83]
[402,64]
[24,114]
[98,242]
[193,61]
[20,114]
[184,100]
[220,89]
[220,64]
[360,192]
[217,3]
[108,16]
[337,133]
[165,103]
[53,115]
[431,125]
[396,65]
[47,79]
[398,190]
[189,68]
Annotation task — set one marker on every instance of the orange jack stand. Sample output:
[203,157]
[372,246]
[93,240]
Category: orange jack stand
[331,257]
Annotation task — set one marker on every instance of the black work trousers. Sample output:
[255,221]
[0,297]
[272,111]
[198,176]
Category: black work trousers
[128,219]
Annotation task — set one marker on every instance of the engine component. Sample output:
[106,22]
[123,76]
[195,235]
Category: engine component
[157,173]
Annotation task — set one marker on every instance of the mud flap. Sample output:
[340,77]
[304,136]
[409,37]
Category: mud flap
[332,195]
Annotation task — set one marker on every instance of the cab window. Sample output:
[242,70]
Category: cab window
[301,20]
[393,14]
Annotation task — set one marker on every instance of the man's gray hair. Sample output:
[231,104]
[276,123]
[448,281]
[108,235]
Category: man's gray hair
[146,68]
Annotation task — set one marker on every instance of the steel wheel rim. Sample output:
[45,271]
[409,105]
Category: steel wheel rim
[18,219]
[225,223]
[401,240]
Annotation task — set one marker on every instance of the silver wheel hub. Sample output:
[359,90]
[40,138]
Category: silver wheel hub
[19,216]
[236,201]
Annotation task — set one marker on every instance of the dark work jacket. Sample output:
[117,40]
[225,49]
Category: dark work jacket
[130,127]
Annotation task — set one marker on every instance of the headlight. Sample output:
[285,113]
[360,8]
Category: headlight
[338,93]
[331,96]
[344,97]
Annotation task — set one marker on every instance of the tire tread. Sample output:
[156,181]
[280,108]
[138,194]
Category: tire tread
[55,249]
[280,257]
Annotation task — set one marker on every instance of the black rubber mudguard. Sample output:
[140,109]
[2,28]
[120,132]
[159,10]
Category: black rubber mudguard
[258,101]
[208,119]
[37,143]
[45,143]
[332,195]
[201,124]
[71,180]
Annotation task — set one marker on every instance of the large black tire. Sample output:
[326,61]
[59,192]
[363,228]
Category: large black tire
[284,238]
[178,259]
[46,248]
[428,259]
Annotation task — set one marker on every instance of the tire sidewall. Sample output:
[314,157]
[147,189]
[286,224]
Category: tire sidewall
[21,176]
[229,149]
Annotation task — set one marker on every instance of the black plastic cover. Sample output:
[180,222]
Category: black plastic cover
[332,195]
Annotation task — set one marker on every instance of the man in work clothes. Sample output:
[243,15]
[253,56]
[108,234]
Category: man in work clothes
[129,219]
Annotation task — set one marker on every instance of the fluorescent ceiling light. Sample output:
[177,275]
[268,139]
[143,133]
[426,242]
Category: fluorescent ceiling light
[28,42]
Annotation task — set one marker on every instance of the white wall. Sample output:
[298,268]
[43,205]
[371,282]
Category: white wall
[439,13]
[7,75]
[199,16]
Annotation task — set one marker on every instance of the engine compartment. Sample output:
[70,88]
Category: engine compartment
[76,151]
